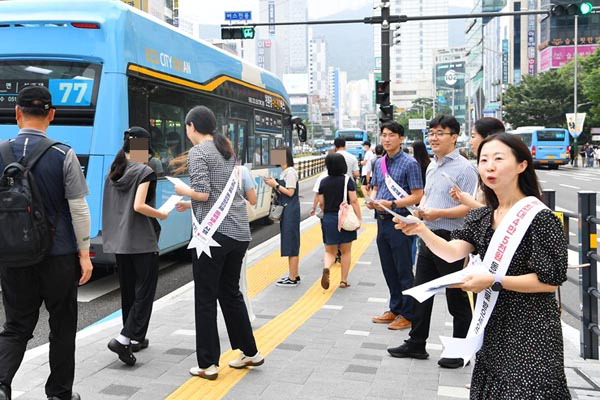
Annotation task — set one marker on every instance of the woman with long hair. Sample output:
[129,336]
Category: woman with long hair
[482,128]
[130,231]
[331,195]
[211,164]
[420,154]
[522,352]
[287,189]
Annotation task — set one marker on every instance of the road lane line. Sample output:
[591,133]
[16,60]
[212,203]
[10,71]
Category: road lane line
[274,332]
[569,186]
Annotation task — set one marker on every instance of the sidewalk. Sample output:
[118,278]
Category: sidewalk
[318,344]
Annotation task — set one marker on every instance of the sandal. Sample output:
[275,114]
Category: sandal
[325,279]
[344,284]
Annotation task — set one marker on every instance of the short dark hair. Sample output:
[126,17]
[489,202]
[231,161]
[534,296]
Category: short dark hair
[379,150]
[487,126]
[367,143]
[393,126]
[528,182]
[336,164]
[339,142]
[446,121]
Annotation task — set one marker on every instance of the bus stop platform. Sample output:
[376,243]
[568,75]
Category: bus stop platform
[318,344]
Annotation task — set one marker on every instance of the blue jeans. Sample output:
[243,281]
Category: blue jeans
[395,255]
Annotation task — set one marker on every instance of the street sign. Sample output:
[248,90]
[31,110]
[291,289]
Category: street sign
[417,124]
[238,15]
[575,123]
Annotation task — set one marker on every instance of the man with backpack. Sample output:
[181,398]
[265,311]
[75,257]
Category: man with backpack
[44,243]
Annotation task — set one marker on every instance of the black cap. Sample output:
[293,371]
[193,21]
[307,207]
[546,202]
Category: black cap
[35,97]
[136,132]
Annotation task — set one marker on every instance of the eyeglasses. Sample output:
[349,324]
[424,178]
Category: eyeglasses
[432,135]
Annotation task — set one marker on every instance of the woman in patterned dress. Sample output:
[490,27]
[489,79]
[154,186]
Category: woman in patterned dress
[522,352]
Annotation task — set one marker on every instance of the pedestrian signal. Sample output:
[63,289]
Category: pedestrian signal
[246,32]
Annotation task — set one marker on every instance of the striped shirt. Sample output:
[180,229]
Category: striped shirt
[209,173]
[403,169]
[437,186]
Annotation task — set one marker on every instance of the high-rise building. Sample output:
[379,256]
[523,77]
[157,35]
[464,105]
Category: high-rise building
[161,9]
[289,44]
[449,82]
[557,37]
[318,82]
[411,60]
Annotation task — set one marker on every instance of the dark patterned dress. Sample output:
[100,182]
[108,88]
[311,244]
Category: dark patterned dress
[522,353]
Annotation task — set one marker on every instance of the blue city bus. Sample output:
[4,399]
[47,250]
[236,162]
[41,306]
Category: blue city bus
[354,140]
[110,66]
[548,146]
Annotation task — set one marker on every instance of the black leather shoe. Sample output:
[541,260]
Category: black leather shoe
[74,396]
[4,392]
[451,362]
[123,351]
[408,351]
[135,347]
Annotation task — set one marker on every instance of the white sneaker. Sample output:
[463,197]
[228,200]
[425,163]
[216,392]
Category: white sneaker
[211,373]
[244,361]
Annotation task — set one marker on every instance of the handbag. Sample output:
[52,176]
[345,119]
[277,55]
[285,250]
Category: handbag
[347,219]
[276,211]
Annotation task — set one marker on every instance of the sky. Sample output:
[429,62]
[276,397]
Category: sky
[211,12]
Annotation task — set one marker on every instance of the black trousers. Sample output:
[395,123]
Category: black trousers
[218,278]
[429,267]
[138,277]
[54,281]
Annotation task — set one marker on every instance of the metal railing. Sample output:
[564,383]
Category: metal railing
[588,273]
[310,167]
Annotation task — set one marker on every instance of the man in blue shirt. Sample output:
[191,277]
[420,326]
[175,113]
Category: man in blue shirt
[394,247]
[441,214]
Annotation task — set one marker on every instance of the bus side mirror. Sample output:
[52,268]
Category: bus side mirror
[300,128]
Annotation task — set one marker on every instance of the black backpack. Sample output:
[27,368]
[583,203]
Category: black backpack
[25,232]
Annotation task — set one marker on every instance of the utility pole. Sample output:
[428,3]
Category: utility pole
[385,44]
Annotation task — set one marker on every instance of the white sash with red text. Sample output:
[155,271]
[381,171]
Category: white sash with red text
[502,247]
[202,233]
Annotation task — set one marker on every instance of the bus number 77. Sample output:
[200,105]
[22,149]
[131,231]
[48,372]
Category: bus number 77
[68,87]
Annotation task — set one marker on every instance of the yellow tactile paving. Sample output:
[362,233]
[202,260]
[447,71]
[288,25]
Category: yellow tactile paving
[270,335]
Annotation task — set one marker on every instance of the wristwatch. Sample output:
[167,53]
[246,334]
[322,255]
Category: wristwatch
[277,187]
[497,285]
[393,205]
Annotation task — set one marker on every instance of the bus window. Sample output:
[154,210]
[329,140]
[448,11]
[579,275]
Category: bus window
[257,156]
[265,150]
[525,137]
[241,150]
[167,128]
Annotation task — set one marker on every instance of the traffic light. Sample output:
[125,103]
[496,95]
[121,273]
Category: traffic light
[382,92]
[246,32]
[386,114]
[580,8]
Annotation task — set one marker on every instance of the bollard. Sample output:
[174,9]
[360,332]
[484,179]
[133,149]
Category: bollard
[588,276]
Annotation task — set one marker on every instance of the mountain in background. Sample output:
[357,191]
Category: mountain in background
[350,46]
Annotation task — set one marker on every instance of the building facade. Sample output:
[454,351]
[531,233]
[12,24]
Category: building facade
[449,82]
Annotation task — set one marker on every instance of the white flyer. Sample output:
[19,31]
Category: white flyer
[177,182]
[170,204]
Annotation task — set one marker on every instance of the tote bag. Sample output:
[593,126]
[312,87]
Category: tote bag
[347,219]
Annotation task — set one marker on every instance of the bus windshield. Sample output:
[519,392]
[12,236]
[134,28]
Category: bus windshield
[351,135]
[72,84]
[551,136]
[525,137]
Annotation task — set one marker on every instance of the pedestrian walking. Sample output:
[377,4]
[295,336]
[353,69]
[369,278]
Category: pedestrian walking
[597,155]
[522,352]
[50,268]
[442,215]
[366,167]
[333,191]
[397,172]
[483,128]
[582,156]
[351,161]
[131,232]
[287,189]
[589,154]
[217,270]
[573,155]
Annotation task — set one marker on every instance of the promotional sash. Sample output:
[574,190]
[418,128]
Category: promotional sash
[202,233]
[502,247]
[395,189]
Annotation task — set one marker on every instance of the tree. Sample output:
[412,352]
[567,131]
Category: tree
[415,112]
[590,85]
[539,100]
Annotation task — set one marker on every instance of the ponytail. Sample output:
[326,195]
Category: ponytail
[203,120]
[117,168]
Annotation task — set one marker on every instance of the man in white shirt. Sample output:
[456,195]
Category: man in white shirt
[351,161]
[366,163]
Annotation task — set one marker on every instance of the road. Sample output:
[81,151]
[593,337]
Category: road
[101,298]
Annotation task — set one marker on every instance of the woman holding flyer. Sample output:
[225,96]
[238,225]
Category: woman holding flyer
[524,254]
[213,177]
[483,128]
[331,195]
[130,231]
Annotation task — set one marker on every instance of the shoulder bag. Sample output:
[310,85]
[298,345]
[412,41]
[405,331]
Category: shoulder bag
[347,219]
